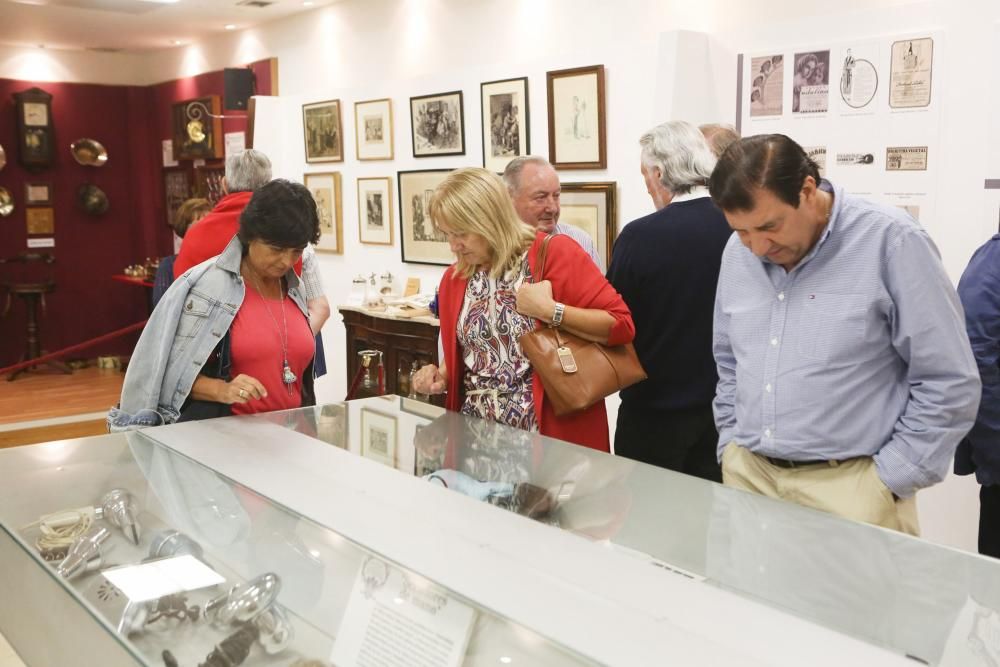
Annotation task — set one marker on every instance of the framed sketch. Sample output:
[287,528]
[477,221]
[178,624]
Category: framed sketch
[592,207]
[323,132]
[437,124]
[505,122]
[176,190]
[811,82]
[421,242]
[373,138]
[767,76]
[325,189]
[577,138]
[375,210]
[38,194]
[379,437]
[912,63]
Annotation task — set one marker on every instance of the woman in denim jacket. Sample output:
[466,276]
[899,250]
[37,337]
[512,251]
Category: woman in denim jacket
[231,335]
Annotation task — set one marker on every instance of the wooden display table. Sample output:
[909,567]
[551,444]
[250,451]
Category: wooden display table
[401,340]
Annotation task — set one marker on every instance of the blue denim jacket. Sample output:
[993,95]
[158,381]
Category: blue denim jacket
[180,336]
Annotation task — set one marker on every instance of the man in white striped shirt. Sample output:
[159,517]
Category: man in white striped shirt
[534,188]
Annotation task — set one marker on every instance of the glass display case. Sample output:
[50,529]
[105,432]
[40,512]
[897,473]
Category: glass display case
[386,531]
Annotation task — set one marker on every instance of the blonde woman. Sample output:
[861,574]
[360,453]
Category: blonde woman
[487,300]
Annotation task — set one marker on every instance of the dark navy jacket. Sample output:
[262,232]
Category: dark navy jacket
[979,290]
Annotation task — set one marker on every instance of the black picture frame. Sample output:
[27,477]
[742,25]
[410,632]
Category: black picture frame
[430,111]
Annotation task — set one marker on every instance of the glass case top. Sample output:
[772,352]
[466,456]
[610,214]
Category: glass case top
[186,567]
[932,603]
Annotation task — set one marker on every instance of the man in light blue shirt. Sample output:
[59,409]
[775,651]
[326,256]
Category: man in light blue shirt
[846,378]
[534,188]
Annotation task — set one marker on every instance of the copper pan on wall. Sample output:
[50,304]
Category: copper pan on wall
[89,152]
[3,158]
[92,199]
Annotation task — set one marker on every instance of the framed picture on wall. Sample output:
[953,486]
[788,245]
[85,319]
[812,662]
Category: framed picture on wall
[323,132]
[420,242]
[40,220]
[176,190]
[325,189]
[437,124]
[505,122]
[379,437]
[592,207]
[375,210]
[577,138]
[196,135]
[37,194]
[373,137]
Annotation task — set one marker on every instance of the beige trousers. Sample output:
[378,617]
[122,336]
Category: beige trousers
[851,489]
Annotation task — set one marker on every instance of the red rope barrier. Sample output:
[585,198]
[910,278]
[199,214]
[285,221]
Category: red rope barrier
[72,348]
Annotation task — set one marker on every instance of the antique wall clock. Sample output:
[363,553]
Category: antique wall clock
[34,128]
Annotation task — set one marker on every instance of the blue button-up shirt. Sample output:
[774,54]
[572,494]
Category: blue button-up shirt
[859,350]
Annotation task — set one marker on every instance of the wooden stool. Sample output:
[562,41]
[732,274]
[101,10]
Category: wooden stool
[33,295]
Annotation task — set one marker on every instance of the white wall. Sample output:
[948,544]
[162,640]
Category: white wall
[36,64]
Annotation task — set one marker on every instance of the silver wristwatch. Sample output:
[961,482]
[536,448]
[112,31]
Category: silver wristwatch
[557,315]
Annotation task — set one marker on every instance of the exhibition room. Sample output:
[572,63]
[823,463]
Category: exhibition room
[478,332]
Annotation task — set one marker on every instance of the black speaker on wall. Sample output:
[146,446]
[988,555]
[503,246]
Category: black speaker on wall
[239,87]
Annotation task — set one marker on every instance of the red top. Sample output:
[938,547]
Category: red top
[256,350]
[576,281]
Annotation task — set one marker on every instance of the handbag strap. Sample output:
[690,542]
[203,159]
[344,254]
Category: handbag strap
[540,260]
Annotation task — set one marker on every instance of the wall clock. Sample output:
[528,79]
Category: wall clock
[34,128]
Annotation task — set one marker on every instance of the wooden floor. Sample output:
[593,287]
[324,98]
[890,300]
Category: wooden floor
[44,395]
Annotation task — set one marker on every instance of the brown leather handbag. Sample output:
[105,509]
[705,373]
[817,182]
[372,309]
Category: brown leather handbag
[577,373]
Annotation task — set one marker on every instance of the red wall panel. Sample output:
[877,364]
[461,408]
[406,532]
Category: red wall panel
[131,122]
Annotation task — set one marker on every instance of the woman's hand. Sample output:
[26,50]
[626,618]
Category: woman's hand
[241,389]
[430,380]
[535,300]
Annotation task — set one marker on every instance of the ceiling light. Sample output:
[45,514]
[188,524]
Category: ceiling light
[307,3]
[176,42]
[230,27]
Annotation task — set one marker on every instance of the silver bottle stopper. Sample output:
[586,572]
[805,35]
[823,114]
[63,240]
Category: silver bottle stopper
[276,631]
[244,602]
[118,507]
[174,543]
[84,554]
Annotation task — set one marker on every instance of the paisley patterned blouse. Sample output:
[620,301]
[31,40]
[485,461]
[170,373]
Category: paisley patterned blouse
[498,381]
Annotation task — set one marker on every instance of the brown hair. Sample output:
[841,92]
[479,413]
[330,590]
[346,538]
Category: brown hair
[189,213]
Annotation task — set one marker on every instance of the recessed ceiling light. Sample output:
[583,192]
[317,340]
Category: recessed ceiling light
[176,42]
[230,27]
[307,3]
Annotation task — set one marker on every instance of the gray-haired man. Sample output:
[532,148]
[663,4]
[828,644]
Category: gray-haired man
[534,188]
[665,266]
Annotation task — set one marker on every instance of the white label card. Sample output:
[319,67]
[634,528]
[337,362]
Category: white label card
[394,619]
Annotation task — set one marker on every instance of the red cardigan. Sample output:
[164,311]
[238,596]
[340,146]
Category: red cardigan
[576,281]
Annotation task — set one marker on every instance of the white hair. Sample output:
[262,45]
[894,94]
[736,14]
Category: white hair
[247,170]
[681,153]
[512,173]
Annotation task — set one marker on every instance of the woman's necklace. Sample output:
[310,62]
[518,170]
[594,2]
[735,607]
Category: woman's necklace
[287,376]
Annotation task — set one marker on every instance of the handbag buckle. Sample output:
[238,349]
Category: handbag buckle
[566,359]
